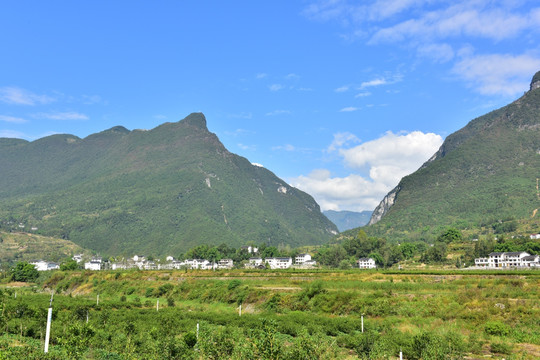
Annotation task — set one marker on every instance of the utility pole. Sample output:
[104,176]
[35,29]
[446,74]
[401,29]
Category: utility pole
[49,319]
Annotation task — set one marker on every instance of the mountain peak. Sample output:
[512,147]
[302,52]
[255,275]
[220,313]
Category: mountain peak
[196,119]
[535,83]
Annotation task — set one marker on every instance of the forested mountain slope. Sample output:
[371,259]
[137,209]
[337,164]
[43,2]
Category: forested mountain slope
[487,172]
[159,191]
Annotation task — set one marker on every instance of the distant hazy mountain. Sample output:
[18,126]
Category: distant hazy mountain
[160,191]
[484,173]
[346,220]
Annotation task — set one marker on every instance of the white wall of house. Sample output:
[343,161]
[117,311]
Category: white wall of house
[366,263]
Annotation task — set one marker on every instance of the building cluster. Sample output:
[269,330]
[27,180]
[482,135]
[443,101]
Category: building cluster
[142,263]
[300,261]
[505,260]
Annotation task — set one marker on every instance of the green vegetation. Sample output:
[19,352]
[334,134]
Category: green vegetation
[157,192]
[285,315]
[24,271]
[483,180]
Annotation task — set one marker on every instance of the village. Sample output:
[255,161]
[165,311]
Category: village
[495,260]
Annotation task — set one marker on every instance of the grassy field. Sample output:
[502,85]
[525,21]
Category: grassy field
[426,314]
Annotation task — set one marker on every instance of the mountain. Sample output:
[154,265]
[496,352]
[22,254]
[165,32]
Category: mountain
[483,174]
[156,192]
[346,220]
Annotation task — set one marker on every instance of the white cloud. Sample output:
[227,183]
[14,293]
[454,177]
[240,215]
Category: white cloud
[352,192]
[435,30]
[257,164]
[261,75]
[407,151]
[292,76]
[440,53]
[242,115]
[12,119]
[247,147]
[498,74]
[342,89]
[278,112]
[287,147]
[468,18]
[91,99]
[362,94]
[70,115]
[275,87]
[387,160]
[18,96]
[349,109]
[374,82]
[13,134]
[342,139]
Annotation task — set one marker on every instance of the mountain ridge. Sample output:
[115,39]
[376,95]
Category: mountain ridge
[176,184]
[503,143]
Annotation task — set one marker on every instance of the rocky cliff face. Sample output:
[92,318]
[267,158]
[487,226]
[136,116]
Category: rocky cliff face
[384,206]
[535,83]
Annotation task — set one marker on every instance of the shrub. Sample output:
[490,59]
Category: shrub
[496,328]
[190,339]
[501,348]
[233,284]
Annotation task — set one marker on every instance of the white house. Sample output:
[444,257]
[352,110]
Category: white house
[42,265]
[94,264]
[254,263]
[77,258]
[198,264]
[481,262]
[366,263]
[302,258]
[507,259]
[535,236]
[169,258]
[279,262]
[225,264]
[531,261]
[511,259]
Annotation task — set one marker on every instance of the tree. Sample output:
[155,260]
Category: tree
[69,265]
[408,249]
[450,235]
[24,271]
[436,253]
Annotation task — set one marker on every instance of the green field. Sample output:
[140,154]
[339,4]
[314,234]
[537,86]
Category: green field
[285,315]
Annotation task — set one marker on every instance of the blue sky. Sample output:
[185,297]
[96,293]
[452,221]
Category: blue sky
[340,98]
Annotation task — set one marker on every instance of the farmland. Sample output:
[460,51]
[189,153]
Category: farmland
[285,315]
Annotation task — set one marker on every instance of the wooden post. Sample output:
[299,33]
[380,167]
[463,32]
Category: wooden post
[157,305]
[97,299]
[362,322]
[240,310]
